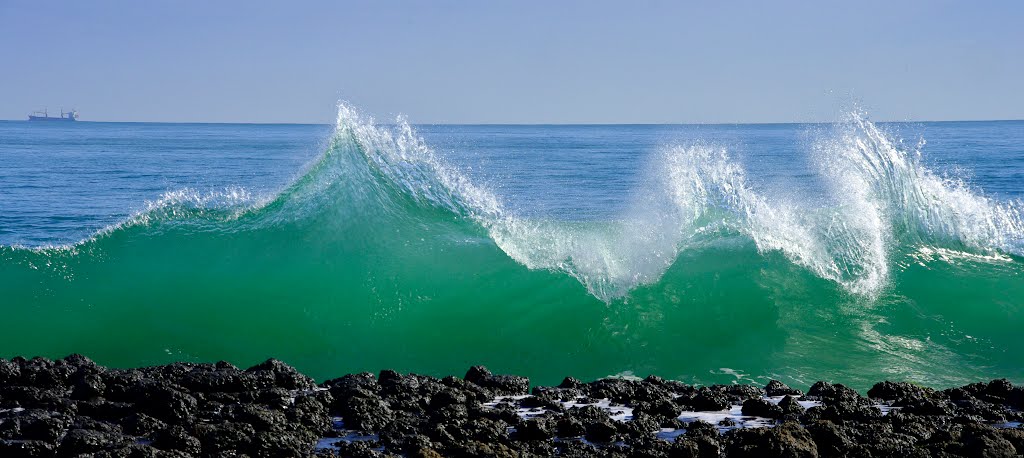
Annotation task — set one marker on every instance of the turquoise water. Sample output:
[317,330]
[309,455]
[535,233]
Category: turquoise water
[851,251]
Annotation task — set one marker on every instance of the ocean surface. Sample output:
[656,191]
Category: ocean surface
[849,251]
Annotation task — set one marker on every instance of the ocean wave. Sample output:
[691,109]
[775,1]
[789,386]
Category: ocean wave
[881,203]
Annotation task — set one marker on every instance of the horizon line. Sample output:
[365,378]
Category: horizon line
[568,124]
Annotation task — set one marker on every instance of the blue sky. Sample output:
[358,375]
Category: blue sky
[513,62]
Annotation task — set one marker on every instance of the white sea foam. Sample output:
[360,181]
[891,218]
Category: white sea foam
[880,200]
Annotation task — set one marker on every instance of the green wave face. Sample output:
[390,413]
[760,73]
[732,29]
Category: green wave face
[381,256]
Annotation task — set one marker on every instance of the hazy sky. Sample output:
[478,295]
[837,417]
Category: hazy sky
[516,61]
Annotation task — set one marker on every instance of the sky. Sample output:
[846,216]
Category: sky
[513,61]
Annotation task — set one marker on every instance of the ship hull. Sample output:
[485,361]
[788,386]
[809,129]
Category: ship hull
[47,118]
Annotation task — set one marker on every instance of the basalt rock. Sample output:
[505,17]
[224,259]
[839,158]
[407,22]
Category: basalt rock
[72,407]
[777,388]
[502,385]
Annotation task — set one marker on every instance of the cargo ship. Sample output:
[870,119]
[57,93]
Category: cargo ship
[44,116]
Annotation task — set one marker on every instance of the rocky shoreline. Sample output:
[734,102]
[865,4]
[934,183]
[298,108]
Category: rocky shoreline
[73,407]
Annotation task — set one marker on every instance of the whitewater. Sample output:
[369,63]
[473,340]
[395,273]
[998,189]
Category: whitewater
[687,258]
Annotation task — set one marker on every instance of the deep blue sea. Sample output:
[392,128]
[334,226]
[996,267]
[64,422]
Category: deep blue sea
[851,251]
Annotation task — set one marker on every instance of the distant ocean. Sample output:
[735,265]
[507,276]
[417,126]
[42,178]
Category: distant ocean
[852,251]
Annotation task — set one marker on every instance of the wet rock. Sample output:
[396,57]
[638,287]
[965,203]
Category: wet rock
[662,409]
[343,387]
[761,408]
[705,437]
[707,400]
[791,409]
[570,383]
[10,373]
[616,389]
[891,391]
[642,425]
[311,412]
[738,393]
[165,402]
[787,440]
[984,441]
[836,393]
[140,424]
[211,380]
[106,410]
[830,439]
[280,444]
[502,385]
[83,422]
[1015,436]
[87,387]
[32,397]
[777,388]
[35,425]
[226,436]
[366,411]
[27,449]
[536,429]
[599,431]
[357,449]
[282,375]
[79,441]
[177,438]
[139,451]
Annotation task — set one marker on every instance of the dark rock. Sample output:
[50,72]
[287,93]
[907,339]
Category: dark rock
[708,400]
[536,429]
[79,441]
[366,412]
[616,389]
[344,387]
[570,383]
[176,438]
[790,407]
[502,385]
[705,437]
[983,441]
[27,449]
[663,409]
[787,440]
[569,427]
[761,408]
[738,393]
[35,425]
[777,388]
[140,424]
[106,410]
[831,439]
[641,426]
[10,373]
[891,391]
[165,402]
[280,444]
[600,431]
[224,436]
[311,412]
[829,392]
[83,422]
[87,387]
[221,380]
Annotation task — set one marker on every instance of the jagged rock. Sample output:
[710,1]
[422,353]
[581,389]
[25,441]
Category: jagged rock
[787,440]
[502,385]
[777,388]
[761,408]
